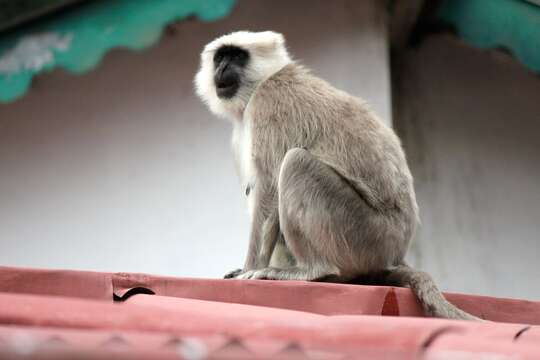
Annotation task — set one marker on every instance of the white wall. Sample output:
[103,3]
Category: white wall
[123,169]
[470,122]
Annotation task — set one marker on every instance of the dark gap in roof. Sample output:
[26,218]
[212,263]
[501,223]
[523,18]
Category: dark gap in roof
[174,342]
[390,305]
[133,291]
[189,347]
[55,340]
[376,278]
[116,341]
[435,335]
[293,349]
[235,346]
[520,332]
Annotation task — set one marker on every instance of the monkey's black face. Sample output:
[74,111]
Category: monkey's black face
[229,65]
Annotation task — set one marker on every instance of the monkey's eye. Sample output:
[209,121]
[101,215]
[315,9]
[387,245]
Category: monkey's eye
[218,57]
[239,56]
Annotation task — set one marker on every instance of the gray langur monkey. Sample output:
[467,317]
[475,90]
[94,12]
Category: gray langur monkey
[329,192]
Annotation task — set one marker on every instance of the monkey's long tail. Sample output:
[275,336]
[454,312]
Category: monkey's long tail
[425,289]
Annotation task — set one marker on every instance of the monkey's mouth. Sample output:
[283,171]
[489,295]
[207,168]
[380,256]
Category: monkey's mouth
[226,89]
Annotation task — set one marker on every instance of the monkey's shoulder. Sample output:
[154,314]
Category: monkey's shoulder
[291,84]
[295,93]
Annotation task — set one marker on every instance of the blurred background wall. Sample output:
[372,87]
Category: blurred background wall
[123,169]
[470,121]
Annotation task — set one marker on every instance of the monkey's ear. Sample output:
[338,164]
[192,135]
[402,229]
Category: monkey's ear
[279,39]
[272,37]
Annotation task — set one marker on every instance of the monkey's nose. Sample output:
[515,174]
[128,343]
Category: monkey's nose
[226,78]
[227,82]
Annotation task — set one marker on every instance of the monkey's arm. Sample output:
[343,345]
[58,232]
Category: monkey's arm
[264,235]
[264,227]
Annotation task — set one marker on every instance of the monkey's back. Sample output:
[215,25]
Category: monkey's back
[294,108]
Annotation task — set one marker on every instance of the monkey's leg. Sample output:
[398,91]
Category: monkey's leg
[282,256]
[327,226]
[266,243]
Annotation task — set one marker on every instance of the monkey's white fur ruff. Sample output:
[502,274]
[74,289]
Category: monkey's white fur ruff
[268,55]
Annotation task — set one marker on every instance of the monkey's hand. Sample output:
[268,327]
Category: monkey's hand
[233,274]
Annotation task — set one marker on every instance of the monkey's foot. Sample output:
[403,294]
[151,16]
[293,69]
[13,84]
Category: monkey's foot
[233,274]
[269,273]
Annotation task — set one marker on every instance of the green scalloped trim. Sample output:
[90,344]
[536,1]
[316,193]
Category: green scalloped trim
[77,40]
[511,24]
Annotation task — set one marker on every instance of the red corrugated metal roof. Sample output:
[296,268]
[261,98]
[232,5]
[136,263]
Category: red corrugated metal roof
[71,315]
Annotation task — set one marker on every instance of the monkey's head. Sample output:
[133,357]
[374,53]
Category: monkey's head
[233,65]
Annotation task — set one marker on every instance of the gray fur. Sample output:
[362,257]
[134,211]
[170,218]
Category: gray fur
[333,194]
